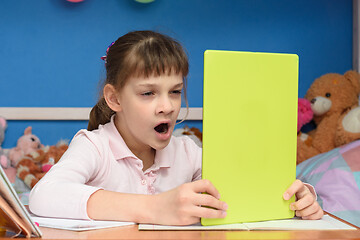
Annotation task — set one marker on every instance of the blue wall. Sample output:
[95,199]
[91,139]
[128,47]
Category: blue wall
[50,50]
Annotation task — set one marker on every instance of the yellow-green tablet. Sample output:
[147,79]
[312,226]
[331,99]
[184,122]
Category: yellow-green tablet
[249,132]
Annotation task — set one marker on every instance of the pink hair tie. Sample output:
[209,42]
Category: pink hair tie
[107,51]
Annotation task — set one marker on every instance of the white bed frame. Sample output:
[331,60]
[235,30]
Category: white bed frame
[59,113]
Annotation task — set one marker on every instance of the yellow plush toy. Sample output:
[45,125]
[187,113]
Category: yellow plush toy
[335,103]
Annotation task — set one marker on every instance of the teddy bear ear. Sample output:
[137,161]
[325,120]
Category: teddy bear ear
[28,131]
[354,78]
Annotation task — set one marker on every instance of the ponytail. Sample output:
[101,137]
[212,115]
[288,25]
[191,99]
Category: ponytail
[100,114]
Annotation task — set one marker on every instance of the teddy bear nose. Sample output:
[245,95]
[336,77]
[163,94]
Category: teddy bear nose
[313,100]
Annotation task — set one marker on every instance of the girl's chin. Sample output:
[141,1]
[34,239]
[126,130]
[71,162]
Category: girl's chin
[160,145]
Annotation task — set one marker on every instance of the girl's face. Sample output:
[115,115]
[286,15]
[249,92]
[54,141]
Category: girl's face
[149,109]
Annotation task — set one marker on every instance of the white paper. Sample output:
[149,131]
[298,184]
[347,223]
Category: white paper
[326,223]
[75,224]
[199,227]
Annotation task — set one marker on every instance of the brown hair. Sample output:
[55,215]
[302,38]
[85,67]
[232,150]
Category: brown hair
[139,54]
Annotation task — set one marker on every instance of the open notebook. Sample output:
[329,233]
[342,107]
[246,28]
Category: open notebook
[249,132]
[326,223]
[13,215]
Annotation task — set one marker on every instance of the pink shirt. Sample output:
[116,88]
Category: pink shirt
[100,159]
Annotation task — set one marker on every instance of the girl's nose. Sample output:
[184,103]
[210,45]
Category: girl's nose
[165,105]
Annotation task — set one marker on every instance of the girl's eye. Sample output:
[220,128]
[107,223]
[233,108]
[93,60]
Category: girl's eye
[147,93]
[176,92]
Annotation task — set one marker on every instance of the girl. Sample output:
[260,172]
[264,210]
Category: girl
[127,166]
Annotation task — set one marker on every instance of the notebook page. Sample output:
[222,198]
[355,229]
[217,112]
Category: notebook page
[326,223]
[8,193]
[194,227]
[76,224]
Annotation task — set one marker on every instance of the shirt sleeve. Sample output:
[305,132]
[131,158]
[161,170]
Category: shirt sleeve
[312,189]
[63,192]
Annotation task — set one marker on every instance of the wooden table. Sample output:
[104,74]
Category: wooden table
[132,232]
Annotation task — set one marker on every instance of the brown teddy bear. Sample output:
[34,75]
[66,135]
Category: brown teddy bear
[335,103]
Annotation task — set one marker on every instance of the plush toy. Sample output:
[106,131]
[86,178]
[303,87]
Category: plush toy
[305,113]
[50,155]
[25,145]
[33,166]
[334,102]
[194,133]
[4,160]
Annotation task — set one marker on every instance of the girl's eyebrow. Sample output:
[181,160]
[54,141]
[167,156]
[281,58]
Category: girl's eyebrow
[179,85]
[154,85]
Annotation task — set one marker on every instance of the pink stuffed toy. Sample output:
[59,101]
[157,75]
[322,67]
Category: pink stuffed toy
[25,145]
[305,113]
[4,161]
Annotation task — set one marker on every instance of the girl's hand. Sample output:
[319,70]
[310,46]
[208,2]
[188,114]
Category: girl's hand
[305,206]
[184,205]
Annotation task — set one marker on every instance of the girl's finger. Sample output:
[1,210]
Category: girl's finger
[205,186]
[317,215]
[308,211]
[303,203]
[204,212]
[210,201]
[297,187]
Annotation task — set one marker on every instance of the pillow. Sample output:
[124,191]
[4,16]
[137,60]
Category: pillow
[336,178]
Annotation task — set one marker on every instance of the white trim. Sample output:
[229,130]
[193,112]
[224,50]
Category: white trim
[58,113]
[194,114]
[356,35]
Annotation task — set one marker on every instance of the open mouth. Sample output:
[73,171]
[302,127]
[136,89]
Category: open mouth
[162,128]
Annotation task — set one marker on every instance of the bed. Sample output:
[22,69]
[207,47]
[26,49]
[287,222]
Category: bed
[334,174]
[336,178]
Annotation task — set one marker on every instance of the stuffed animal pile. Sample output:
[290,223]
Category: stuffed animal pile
[334,102]
[30,159]
[33,166]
